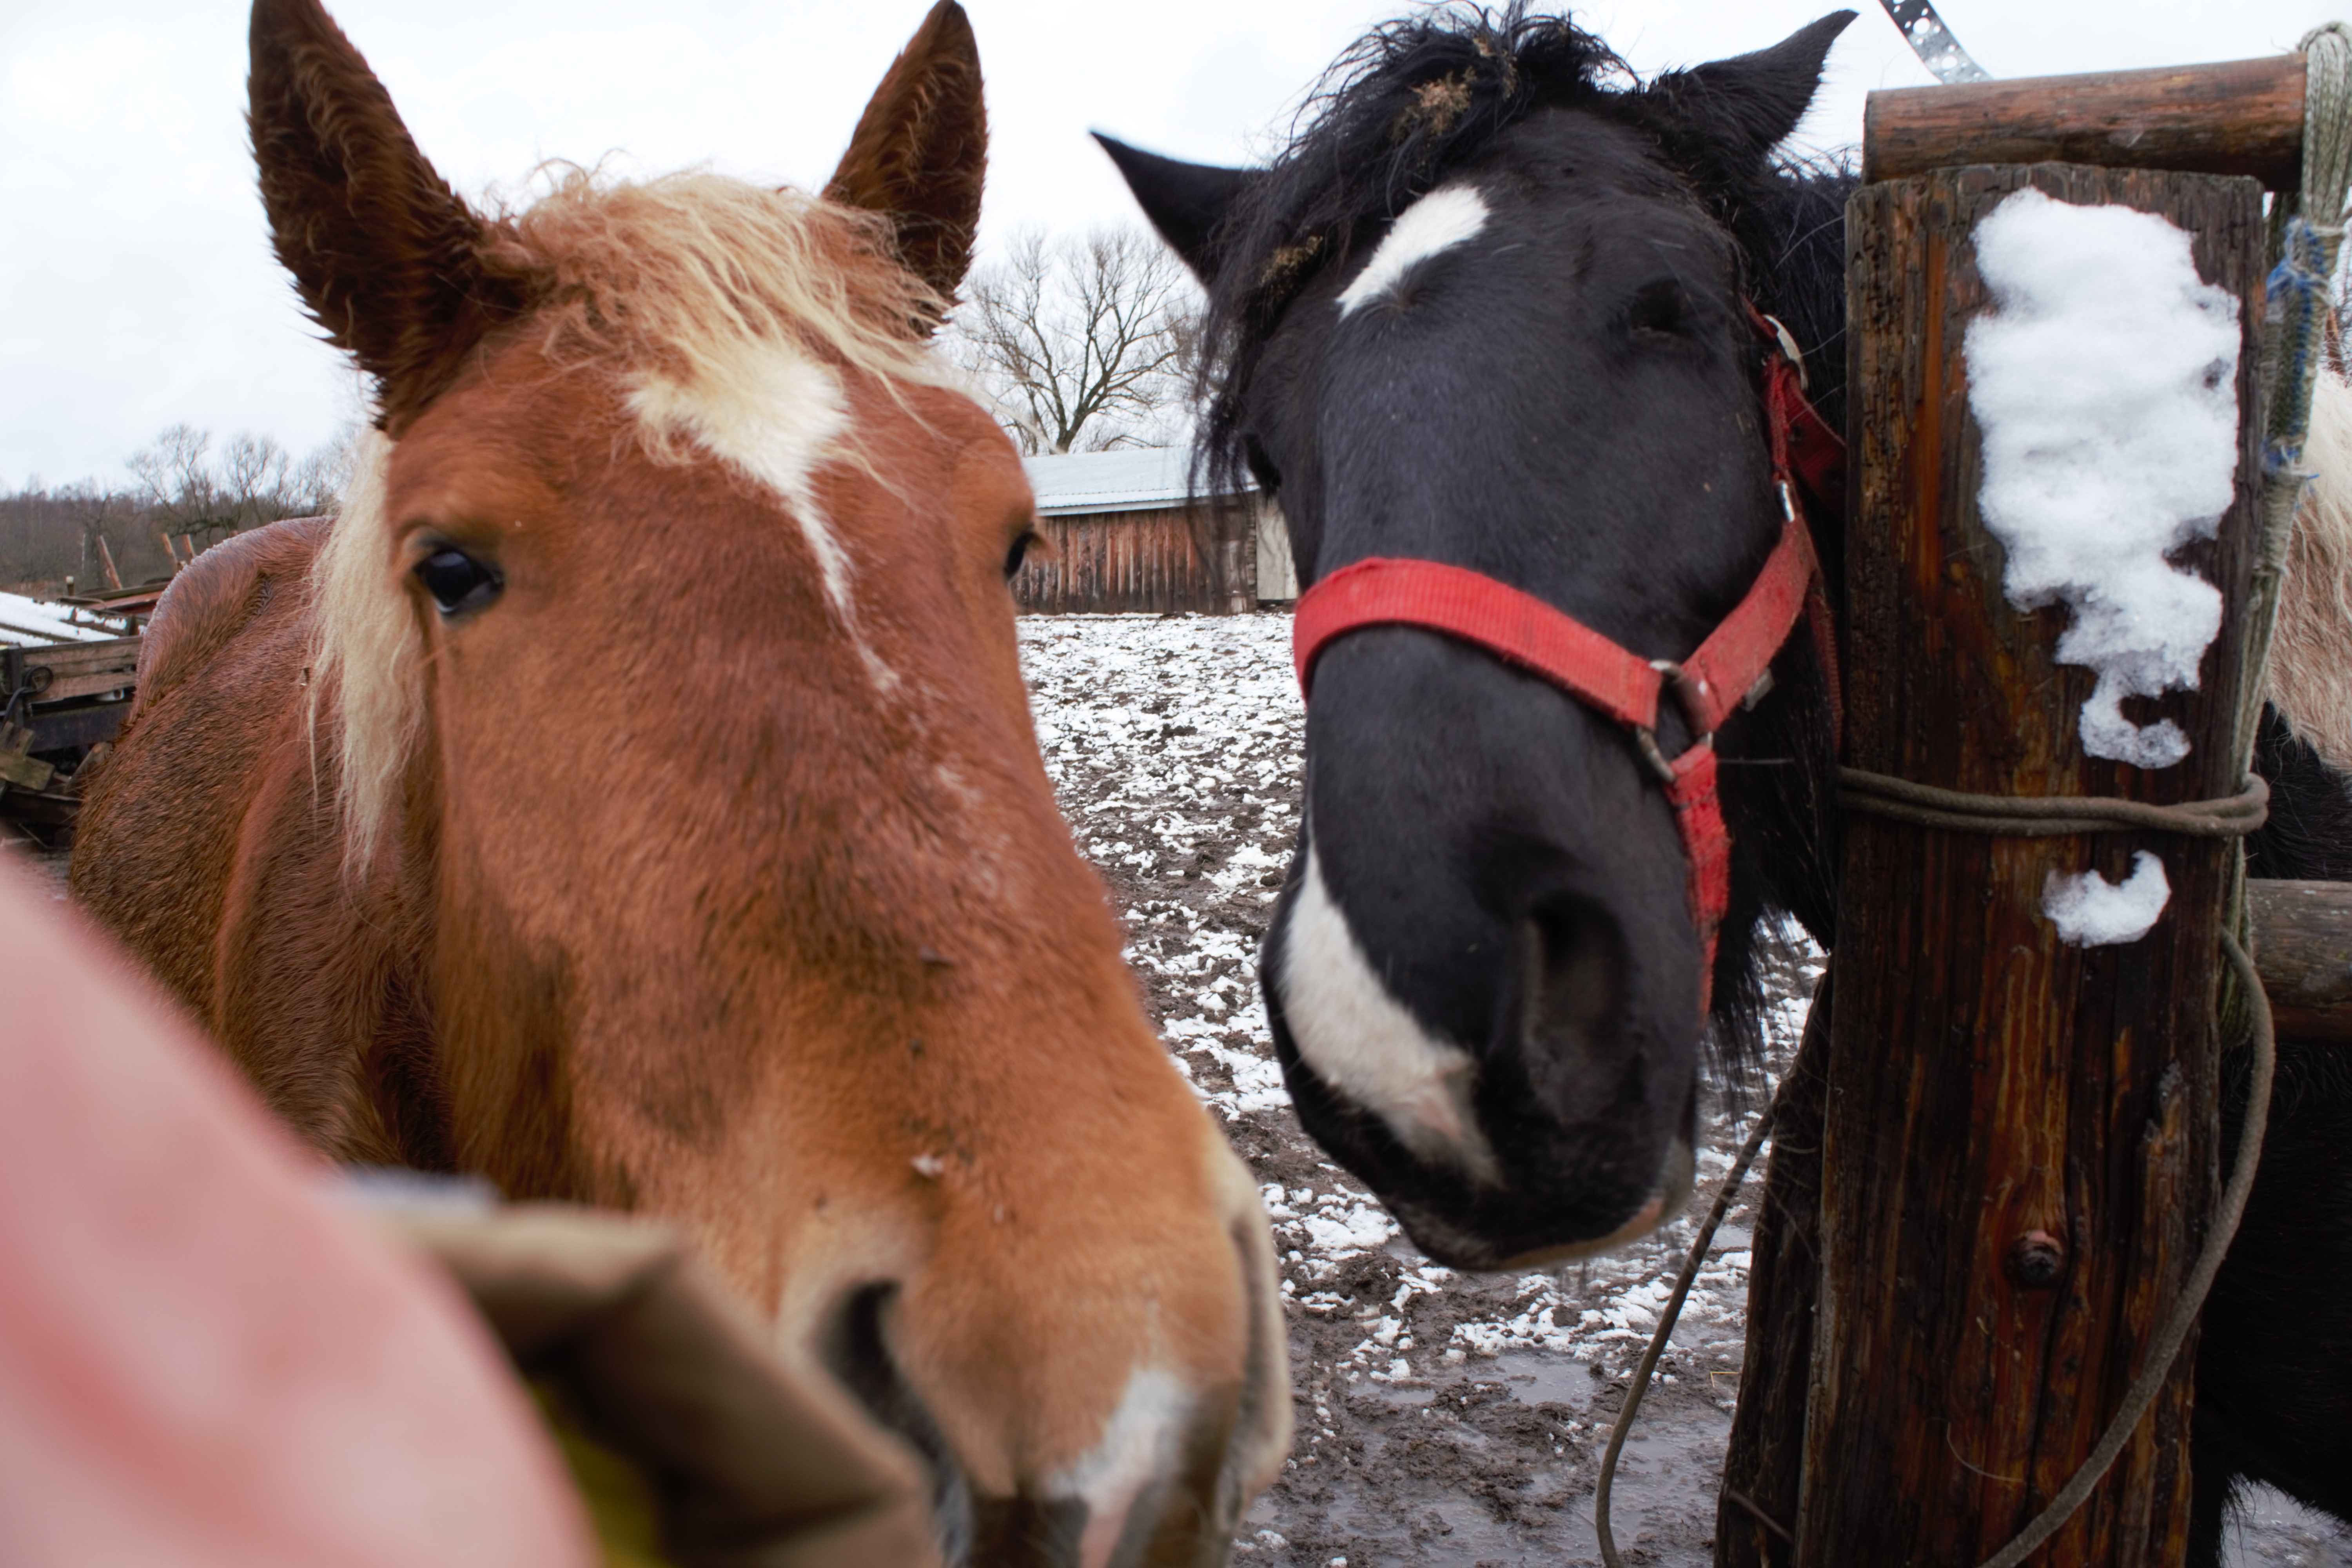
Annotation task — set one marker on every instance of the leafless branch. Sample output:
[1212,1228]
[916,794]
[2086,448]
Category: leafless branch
[1080,343]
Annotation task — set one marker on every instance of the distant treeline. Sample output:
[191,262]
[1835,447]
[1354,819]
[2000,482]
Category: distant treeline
[182,486]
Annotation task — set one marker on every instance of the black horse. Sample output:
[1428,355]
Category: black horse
[1490,310]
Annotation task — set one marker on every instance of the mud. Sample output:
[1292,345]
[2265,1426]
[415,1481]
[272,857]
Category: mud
[1442,1418]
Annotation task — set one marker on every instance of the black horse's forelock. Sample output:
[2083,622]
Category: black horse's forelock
[1410,103]
[1418,98]
[1407,103]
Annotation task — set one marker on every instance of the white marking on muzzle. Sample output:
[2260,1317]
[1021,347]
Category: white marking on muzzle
[1363,1043]
[1439,221]
[1142,1442]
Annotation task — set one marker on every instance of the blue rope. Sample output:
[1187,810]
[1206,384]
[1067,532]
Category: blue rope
[2296,298]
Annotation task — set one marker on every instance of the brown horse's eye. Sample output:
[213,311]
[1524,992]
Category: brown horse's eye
[458,583]
[1018,553]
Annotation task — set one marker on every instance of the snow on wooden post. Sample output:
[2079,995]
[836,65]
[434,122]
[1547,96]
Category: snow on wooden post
[2016,1094]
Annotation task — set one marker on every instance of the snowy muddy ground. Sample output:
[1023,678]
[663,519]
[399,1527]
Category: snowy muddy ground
[1443,1417]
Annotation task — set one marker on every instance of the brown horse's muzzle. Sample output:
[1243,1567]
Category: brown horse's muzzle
[1163,1480]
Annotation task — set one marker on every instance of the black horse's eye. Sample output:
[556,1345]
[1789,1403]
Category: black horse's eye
[1659,305]
[457,582]
[1019,552]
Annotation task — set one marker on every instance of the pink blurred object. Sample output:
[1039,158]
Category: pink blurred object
[203,1359]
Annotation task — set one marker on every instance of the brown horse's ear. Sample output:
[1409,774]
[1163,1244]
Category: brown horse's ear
[920,149]
[387,258]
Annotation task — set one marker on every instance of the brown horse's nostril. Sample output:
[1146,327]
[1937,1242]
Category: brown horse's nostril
[858,1354]
[1573,957]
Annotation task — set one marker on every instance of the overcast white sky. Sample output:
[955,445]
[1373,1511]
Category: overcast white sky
[136,285]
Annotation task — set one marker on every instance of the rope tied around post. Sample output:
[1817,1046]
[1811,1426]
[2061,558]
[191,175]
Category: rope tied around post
[2049,816]
[2025,817]
[2307,232]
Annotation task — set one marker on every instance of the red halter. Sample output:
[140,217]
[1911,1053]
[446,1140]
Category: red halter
[1524,632]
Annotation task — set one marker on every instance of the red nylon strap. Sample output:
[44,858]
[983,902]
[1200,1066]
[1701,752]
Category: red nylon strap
[1805,450]
[1522,630]
[1707,845]
[1804,445]
[1735,655]
[1517,627]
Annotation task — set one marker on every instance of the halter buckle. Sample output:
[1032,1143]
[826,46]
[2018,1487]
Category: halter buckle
[1691,693]
[1646,740]
[1789,349]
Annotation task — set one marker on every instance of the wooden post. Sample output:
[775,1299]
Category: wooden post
[2019,1150]
[1765,1463]
[2303,947]
[2242,117]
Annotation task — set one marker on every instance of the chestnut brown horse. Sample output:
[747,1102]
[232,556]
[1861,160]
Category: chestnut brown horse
[632,798]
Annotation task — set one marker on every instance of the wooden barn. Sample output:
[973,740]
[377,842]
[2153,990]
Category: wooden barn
[1126,534]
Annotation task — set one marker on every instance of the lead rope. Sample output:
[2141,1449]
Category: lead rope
[1673,1310]
[2303,254]
[2165,1347]
[2306,238]
[1878,795]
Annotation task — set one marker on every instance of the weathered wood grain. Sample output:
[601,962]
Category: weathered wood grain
[1986,1082]
[1764,1461]
[2242,117]
[2303,948]
[1169,559]
[75,669]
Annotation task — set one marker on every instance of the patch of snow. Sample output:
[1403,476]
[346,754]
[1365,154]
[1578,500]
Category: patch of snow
[2106,386]
[2091,911]
[1174,744]
[35,623]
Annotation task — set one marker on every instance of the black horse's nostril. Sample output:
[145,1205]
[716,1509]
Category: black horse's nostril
[1572,958]
[858,1354]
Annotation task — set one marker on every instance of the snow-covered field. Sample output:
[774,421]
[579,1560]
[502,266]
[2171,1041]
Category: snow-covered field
[1442,1418]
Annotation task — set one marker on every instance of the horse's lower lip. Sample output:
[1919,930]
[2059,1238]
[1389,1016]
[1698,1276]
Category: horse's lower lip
[1672,1191]
[1645,1221]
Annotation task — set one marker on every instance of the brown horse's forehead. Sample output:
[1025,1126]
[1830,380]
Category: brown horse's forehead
[987,477]
[990,479]
[486,452]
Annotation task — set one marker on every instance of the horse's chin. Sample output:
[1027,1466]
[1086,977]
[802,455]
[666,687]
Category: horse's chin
[1456,1248]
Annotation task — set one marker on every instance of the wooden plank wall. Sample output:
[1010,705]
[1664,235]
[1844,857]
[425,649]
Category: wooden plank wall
[1173,559]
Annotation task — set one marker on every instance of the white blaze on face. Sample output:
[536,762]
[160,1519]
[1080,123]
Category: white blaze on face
[1439,221]
[779,418]
[1363,1043]
[1143,1441]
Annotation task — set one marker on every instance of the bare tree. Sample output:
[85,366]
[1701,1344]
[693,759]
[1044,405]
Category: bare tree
[1080,343]
[315,486]
[189,488]
[252,482]
[175,476]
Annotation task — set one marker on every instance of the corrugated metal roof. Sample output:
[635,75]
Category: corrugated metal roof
[1136,478]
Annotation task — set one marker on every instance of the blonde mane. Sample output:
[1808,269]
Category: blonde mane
[2310,654]
[694,283]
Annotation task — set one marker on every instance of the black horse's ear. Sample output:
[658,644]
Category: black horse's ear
[1187,203]
[1739,110]
[920,150]
[385,255]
